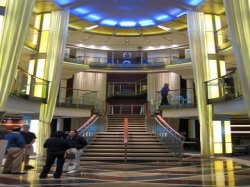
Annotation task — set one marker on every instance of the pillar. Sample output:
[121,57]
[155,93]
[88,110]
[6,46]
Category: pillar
[190,91]
[199,56]
[14,26]
[60,124]
[191,128]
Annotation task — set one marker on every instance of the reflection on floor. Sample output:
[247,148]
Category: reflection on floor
[191,171]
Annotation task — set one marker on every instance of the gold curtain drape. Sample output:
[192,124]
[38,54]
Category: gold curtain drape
[238,14]
[53,69]
[12,38]
[199,55]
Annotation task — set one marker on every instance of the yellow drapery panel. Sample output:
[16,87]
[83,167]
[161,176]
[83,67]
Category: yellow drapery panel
[12,38]
[238,13]
[197,40]
[53,69]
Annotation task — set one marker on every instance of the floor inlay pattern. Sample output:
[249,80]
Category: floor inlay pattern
[191,171]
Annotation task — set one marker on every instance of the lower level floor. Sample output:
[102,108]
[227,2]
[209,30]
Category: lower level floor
[192,170]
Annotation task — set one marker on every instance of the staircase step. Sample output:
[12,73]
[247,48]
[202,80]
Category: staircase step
[122,139]
[128,150]
[131,159]
[142,145]
[99,146]
[107,154]
[122,135]
[129,143]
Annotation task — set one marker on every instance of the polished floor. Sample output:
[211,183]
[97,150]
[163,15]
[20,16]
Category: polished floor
[192,170]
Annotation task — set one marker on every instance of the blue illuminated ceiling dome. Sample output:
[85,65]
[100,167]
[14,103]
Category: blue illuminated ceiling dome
[129,13]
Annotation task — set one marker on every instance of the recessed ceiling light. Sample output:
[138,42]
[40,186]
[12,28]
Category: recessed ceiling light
[90,28]
[163,28]
[127,23]
[153,12]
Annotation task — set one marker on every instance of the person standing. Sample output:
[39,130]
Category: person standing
[56,147]
[15,148]
[29,138]
[164,94]
[77,143]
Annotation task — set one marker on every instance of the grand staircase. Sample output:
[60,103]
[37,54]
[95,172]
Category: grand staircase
[142,145]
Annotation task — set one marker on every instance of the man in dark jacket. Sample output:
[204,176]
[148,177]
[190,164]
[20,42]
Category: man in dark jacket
[77,143]
[56,147]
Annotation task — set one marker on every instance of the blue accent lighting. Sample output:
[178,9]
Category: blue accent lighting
[92,17]
[79,11]
[127,23]
[175,11]
[163,18]
[108,22]
[145,23]
[193,2]
[128,13]
[64,2]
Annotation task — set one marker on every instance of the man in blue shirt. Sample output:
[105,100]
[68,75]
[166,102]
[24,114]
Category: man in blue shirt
[164,94]
[15,149]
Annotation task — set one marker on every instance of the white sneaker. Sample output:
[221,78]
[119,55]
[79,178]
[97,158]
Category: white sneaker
[72,171]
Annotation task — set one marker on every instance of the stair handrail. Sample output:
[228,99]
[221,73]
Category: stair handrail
[170,129]
[85,129]
[125,138]
[171,138]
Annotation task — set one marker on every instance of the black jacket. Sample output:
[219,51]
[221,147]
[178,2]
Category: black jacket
[56,145]
[77,142]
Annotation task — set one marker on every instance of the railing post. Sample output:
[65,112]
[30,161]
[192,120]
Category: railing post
[125,138]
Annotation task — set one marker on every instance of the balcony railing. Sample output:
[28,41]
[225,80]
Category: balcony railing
[136,59]
[32,38]
[77,98]
[30,87]
[223,88]
[126,109]
[222,38]
[127,88]
[181,98]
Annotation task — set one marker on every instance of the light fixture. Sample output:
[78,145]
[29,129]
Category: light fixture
[163,28]
[153,13]
[90,28]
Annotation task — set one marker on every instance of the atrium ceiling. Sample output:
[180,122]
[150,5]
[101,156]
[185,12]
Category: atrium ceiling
[168,30]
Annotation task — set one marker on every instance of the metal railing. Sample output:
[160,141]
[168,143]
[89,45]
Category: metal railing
[28,86]
[165,57]
[166,134]
[157,61]
[32,37]
[126,109]
[77,98]
[127,88]
[181,98]
[91,127]
[223,88]
[222,38]
[125,138]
